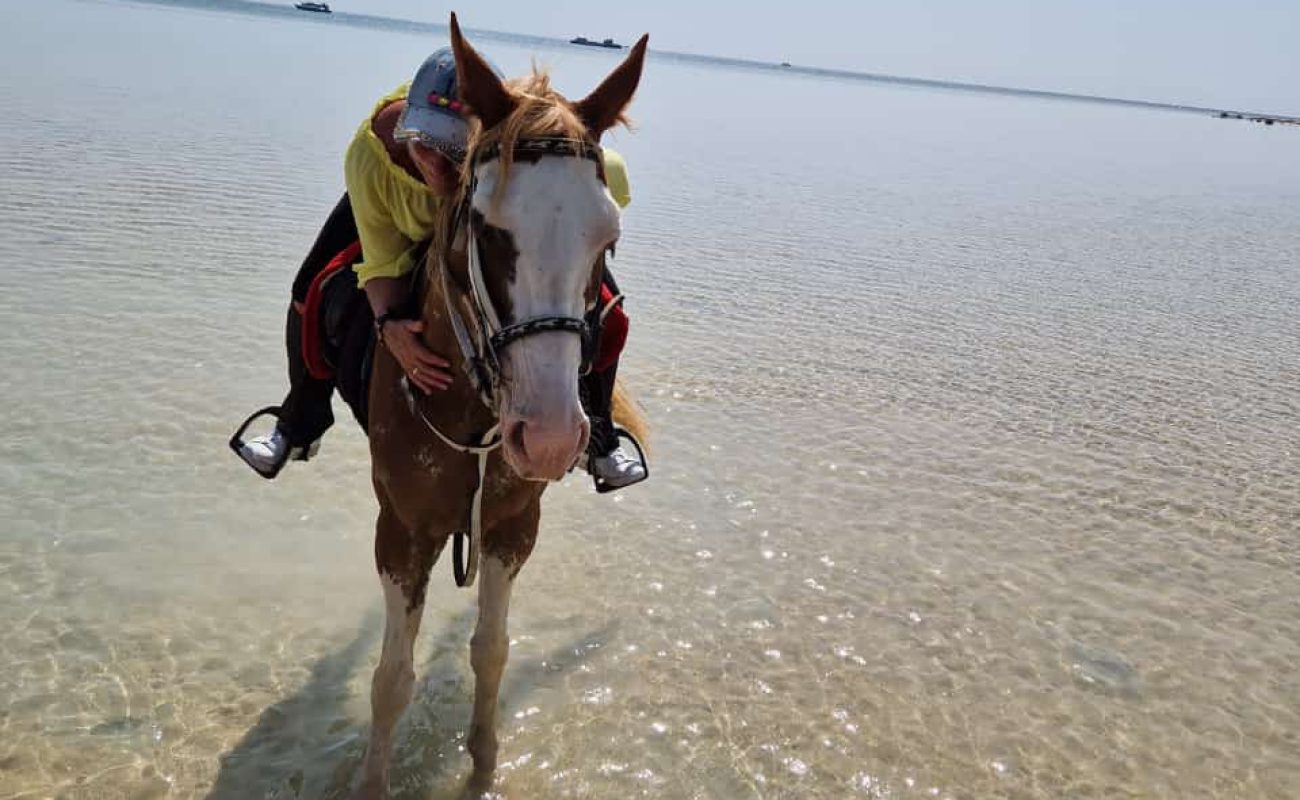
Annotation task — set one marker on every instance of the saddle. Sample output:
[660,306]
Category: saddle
[336,342]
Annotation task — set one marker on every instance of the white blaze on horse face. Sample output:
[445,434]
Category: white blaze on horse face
[561,218]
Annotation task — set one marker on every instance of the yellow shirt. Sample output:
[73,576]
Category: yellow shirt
[395,211]
[616,178]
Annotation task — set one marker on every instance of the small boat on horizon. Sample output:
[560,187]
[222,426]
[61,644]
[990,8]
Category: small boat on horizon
[323,8]
[583,40]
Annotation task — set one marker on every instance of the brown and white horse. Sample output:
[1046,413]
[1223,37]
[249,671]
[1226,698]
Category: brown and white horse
[512,271]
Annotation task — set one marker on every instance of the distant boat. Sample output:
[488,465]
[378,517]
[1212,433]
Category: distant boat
[323,8]
[610,43]
[785,63]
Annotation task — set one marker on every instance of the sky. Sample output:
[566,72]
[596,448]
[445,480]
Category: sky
[1243,54]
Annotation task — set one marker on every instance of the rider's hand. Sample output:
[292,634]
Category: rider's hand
[422,367]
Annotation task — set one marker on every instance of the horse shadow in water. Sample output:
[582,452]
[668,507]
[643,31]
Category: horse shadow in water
[308,747]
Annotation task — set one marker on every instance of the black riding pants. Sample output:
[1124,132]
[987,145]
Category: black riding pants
[305,413]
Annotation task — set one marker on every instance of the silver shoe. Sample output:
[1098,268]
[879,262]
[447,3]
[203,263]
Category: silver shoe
[266,454]
[616,469]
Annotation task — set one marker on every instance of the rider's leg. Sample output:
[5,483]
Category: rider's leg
[305,414]
[598,393]
[607,461]
[339,231]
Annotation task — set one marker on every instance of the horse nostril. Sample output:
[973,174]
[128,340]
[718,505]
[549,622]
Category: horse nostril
[515,436]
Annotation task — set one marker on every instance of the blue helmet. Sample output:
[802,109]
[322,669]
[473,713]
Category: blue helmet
[434,115]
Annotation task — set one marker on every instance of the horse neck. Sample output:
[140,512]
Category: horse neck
[459,407]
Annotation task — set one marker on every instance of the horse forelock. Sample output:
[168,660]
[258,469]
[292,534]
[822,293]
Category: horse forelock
[540,111]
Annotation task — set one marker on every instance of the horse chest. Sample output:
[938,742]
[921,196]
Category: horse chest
[430,486]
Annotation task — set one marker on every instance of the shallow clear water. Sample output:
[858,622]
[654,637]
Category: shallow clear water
[975,457]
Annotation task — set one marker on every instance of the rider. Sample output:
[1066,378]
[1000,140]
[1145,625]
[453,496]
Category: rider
[401,165]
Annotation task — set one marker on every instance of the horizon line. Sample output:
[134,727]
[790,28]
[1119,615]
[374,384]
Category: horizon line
[402,25]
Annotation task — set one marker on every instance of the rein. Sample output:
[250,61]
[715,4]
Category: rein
[481,352]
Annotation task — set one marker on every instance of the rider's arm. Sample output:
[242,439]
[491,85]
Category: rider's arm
[402,336]
[387,257]
[386,294]
[385,250]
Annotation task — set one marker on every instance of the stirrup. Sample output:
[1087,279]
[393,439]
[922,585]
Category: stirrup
[237,443]
[602,487]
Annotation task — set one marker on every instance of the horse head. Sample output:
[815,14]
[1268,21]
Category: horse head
[540,219]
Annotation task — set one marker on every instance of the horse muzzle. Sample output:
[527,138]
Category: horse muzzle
[542,448]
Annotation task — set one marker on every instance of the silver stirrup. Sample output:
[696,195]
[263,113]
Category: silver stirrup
[603,486]
[237,443]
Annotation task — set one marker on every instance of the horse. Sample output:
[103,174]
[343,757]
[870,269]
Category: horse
[515,262]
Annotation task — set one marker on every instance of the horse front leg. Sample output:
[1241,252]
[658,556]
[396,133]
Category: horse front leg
[404,562]
[488,650]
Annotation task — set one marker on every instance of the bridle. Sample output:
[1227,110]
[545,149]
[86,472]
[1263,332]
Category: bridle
[481,349]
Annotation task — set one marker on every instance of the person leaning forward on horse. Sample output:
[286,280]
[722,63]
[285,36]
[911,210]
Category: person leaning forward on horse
[402,164]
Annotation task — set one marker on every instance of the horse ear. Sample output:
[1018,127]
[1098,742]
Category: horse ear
[480,88]
[603,108]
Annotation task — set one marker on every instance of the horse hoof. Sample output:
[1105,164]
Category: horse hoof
[370,790]
[480,783]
